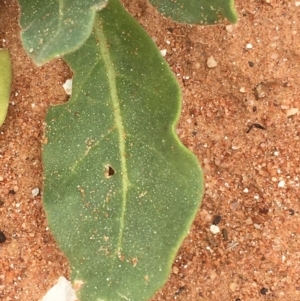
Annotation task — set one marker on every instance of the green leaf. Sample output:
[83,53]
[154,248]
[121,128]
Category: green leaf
[53,28]
[197,11]
[120,190]
[5,83]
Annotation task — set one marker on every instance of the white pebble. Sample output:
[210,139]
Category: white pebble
[35,191]
[163,52]
[230,27]
[61,291]
[281,184]
[68,86]
[242,90]
[211,63]
[249,46]
[292,111]
[297,3]
[214,229]
[246,190]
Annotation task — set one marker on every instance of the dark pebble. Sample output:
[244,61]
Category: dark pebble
[1,203]
[225,234]
[238,299]
[251,64]
[264,291]
[2,237]
[12,192]
[216,220]
[292,212]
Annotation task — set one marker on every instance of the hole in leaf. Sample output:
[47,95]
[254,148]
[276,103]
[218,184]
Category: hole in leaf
[109,171]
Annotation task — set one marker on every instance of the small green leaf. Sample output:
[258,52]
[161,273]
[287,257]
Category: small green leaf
[5,83]
[120,190]
[53,28]
[197,11]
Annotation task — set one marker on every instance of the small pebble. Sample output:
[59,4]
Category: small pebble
[259,92]
[249,221]
[175,270]
[251,64]
[216,220]
[232,286]
[281,184]
[249,46]
[35,191]
[256,226]
[68,86]
[211,63]
[229,28]
[163,52]
[242,90]
[264,291]
[225,234]
[1,203]
[292,112]
[2,237]
[214,229]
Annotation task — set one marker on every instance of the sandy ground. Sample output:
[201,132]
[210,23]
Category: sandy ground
[239,118]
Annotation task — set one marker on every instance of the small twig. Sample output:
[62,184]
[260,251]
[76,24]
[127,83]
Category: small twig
[255,125]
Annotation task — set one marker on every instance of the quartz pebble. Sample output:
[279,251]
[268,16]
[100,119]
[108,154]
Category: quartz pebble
[211,63]
[229,28]
[61,291]
[35,191]
[68,86]
[163,52]
[292,111]
[232,286]
[214,229]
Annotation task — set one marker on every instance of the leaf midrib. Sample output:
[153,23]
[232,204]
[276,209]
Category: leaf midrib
[111,75]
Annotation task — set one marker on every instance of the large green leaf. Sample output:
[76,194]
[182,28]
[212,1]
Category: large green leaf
[5,83]
[120,190]
[56,27]
[197,11]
